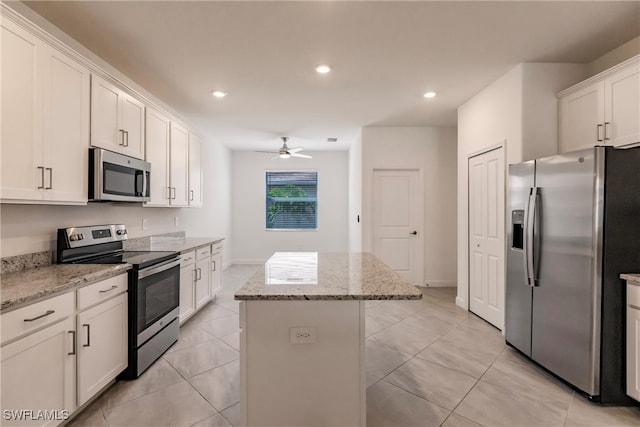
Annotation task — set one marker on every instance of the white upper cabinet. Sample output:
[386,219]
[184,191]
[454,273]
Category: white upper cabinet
[195,170]
[45,122]
[179,165]
[157,153]
[603,110]
[117,119]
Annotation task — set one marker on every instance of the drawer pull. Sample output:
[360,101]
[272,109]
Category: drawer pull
[88,344]
[49,312]
[74,343]
[108,290]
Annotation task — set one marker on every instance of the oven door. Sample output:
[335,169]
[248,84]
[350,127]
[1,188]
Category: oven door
[157,299]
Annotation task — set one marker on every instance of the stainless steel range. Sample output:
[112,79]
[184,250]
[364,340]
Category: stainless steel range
[154,288]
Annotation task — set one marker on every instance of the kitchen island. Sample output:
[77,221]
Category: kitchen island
[302,334]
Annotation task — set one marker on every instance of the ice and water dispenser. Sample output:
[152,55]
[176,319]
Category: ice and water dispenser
[517,229]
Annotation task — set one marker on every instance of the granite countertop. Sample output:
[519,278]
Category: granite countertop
[326,276]
[634,278]
[28,286]
[178,244]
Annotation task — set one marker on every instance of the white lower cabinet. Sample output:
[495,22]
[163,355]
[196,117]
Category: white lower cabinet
[202,284]
[39,369]
[216,268]
[633,341]
[187,279]
[102,338]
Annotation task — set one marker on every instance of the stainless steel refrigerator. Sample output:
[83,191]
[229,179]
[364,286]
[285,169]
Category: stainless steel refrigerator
[574,226]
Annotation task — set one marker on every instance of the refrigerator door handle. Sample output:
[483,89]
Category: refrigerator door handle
[525,239]
[535,237]
[529,270]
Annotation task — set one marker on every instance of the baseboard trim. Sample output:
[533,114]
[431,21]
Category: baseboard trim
[440,283]
[248,261]
[461,303]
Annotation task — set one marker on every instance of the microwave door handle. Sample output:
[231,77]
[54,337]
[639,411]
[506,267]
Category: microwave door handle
[144,184]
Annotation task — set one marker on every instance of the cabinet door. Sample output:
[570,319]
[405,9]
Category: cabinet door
[132,122]
[102,345]
[216,273]
[157,153]
[633,352]
[105,123]
[179,165]
[195,170]
[582,118]
[38,372]
[187,303]
[66,128]
[22,168]
[622,106]
[203,286]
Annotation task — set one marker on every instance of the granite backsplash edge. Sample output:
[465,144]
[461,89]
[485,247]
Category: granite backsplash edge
[16,263]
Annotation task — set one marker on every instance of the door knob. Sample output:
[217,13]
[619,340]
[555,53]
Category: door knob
[413,233]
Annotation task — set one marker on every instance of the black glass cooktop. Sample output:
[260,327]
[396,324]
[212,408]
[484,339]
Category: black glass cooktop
[139,259]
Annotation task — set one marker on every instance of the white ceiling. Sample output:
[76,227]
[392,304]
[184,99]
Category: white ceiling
[384,55]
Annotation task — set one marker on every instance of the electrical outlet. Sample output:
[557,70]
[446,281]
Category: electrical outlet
[145,223]
[302,335]
[175,221]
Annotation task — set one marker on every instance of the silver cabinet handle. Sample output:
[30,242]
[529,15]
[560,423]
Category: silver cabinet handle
[214,266]
[169,193]
[191,195]
[50,179]
[126,132]
[195,275]
[108,290]
[173,189]
[73,342]
[121,137]
[606,128]
[48,313]
[598,129]
[199,274]
[88,344]
[41,187]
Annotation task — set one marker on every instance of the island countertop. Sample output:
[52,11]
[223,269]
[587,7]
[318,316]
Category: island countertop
[631,278]
[326,276]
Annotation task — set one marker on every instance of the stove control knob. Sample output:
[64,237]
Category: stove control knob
[73,237]
[121,232]
[80,236]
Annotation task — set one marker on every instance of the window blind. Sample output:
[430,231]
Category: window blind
[291,200]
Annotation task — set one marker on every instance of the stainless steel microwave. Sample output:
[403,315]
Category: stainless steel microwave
[118,178]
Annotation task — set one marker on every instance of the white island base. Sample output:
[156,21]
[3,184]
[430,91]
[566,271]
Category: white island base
[321,383]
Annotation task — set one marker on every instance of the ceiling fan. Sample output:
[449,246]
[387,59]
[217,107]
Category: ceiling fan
[285,152]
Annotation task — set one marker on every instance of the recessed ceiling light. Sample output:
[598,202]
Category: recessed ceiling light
[323,69]
[332,139]
[219,94]
[430,95]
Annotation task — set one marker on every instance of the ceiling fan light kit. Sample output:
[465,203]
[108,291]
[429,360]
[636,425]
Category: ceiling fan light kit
[285,152]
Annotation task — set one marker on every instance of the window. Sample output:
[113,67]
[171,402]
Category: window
[291,200]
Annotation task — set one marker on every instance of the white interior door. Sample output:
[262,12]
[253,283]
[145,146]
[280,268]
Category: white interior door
[486,236]
[398,222]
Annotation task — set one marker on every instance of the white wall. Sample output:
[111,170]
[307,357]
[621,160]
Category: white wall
[616,56]
[355,195]
[252,243]
[32,228]
[433,151]
[519,111]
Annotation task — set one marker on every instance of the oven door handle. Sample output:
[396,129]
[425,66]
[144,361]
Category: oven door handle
[158,268]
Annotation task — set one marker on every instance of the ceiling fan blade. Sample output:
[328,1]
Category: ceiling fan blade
[304,156]
[275,157]
[270,152]
[295,150]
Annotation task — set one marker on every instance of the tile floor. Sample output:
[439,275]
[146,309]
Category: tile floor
[429,363]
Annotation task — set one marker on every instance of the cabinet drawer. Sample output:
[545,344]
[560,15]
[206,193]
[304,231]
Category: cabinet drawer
[187,259]
[203,253]
[633,295]
[216,248]
[101,291]
[34,316]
